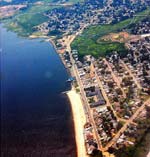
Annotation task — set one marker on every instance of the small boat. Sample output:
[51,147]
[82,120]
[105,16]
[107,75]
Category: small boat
[70,79]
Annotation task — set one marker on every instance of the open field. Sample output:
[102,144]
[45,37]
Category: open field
[87,42]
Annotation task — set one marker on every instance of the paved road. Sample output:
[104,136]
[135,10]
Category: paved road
[86,104]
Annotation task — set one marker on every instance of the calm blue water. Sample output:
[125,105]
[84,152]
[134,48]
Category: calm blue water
[36,116]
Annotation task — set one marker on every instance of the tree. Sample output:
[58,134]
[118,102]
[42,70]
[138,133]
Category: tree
[110,84]
[127,81]
[119,91]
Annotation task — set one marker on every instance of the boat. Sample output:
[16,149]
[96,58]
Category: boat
[70,79]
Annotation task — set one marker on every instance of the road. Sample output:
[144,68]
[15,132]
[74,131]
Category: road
[114,140]
[75,73]
[127,122]
[130,73]
[85,103]
[67,40]
[114,77]
[87,107]
[103,91]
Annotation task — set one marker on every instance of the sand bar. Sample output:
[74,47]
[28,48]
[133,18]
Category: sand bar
[79,121]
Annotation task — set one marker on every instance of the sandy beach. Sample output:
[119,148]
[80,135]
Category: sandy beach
[79,121]
[148,155]
[38,36]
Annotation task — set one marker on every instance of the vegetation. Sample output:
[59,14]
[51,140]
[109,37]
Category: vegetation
[24,21]
[139,150]
[24,25]
[97,49]
[87,42]
[143,146]
[54,33]
[97,153]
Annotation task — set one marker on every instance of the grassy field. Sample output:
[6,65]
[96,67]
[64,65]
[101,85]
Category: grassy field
[24,21]
[87,42]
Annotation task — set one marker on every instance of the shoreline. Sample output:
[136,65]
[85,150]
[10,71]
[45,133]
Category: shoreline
[79,120]
[78,114]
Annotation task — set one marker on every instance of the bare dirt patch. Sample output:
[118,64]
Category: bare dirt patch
[121,37]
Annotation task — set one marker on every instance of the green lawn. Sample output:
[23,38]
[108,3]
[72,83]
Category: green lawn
[87,42]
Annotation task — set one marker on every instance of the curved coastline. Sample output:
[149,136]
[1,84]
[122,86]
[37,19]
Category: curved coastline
[78,115]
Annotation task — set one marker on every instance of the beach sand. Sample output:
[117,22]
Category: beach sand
[37,36]
[79,121]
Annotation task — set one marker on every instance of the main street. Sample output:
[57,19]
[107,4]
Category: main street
[85,103]
[74,72]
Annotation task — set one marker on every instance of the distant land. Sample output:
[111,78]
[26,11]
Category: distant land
[23,20]
[10,2]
